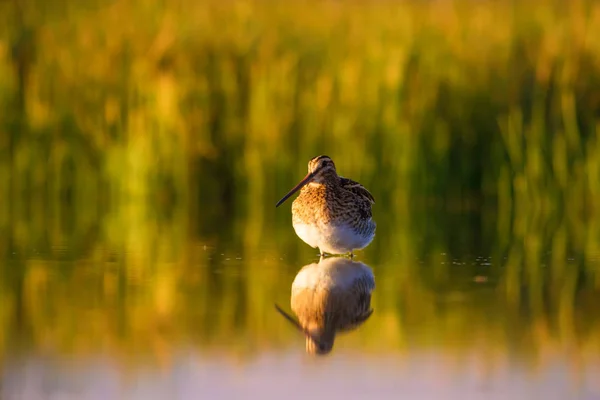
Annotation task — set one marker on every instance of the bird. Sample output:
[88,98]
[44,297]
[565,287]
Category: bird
[332,213]
[331,296]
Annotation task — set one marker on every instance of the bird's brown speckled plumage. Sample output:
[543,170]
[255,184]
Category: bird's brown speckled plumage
[332,212]
[337,200]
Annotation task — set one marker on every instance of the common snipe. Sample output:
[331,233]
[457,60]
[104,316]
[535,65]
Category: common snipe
[332,213]
[329,297]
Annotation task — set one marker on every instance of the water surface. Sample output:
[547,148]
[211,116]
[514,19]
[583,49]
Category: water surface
[149,313]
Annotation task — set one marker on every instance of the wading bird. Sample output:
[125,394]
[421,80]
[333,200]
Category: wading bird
[332,213]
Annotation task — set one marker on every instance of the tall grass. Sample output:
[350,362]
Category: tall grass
[475,97]
[136,133]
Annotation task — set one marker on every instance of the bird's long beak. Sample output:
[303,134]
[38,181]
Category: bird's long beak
[306,332]
[303,182]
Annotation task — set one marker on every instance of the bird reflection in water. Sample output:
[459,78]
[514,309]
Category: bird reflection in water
[331,296]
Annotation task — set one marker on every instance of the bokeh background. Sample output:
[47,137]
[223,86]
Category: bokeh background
[144,144]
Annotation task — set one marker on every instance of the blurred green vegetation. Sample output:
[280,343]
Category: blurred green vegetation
[143,146]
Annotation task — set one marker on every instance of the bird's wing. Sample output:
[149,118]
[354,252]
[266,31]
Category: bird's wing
[357,189]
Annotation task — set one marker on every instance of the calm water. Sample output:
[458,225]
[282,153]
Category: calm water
[154,311]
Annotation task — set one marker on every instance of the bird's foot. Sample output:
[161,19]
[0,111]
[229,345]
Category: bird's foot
[325,255]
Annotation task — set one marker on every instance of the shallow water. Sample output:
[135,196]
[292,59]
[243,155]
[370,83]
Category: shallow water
[145,312]
[286,373]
